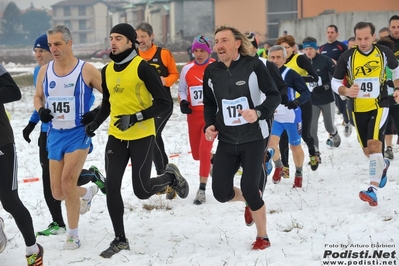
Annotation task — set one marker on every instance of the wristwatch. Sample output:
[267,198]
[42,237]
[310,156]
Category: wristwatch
[139,116]
[258,113]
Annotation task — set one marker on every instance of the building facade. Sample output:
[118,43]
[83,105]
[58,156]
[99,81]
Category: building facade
[173,21]
[86,19]
[265,16]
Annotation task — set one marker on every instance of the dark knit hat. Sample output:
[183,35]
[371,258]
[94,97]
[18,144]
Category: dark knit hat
[41,42]
[251,37]
[202,42]
[126,30]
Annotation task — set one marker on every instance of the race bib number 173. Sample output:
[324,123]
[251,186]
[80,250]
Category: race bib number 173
[230,109]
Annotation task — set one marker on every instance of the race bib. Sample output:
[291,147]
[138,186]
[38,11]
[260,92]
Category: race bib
[62,107]
[196,95]
[369,87]
[230,109]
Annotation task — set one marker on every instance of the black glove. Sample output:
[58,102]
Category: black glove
[90,128]
[184,107]
[319,89]
[45,115]
[27,130]
[390,83]
[284,98]
[292,104]
[89,116]
[125,121]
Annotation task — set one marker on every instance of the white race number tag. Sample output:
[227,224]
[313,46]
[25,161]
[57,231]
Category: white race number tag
[62,107]
[196,95]
[369,87]
[230,109]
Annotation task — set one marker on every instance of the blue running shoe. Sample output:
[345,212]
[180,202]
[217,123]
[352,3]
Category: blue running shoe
[384,177]
[269,164]
[369,196]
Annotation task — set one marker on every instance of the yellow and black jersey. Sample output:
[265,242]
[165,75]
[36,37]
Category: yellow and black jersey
[368,71]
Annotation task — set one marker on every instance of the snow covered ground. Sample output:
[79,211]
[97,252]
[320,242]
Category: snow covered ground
[323,217]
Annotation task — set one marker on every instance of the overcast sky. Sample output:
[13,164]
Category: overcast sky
[24,4]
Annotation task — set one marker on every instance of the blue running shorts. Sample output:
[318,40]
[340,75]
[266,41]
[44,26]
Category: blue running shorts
[64,141]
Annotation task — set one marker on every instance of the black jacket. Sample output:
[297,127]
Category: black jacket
[325,68]
[9,92]
[246,77]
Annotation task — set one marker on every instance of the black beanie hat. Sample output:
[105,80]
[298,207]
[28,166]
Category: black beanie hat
[126,30]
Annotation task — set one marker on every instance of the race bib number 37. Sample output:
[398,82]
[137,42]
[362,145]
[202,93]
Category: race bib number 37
[196,95]
[230,109]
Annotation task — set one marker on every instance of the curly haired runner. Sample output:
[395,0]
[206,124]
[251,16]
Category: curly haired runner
[235,113]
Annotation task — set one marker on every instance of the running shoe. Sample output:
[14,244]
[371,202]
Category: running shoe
[348,130]
[85,205]
[286,172]
[314,162]
[180,183]
[277,175]
[72,242]
[388,153]
[369,196]
[52,229]
[115,246]
[297,181]
[99,179]
[200,198]
[269,163]
[36,259]
[261,243]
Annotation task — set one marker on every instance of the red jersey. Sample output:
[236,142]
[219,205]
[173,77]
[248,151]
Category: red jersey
[190,84]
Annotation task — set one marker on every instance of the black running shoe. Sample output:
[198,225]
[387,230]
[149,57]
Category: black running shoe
[99,179]
[115,246]
[180,183]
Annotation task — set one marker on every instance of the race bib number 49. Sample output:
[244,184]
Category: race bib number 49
[369,87]
[230,109]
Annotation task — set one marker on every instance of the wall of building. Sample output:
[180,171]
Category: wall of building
[247,15]
[313,8]
[101,26]
[191,18]
[316,26]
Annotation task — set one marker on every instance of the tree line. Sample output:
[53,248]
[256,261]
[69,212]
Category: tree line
[22,28]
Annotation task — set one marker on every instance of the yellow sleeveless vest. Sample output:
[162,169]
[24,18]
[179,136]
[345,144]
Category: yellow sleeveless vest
[128,95]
